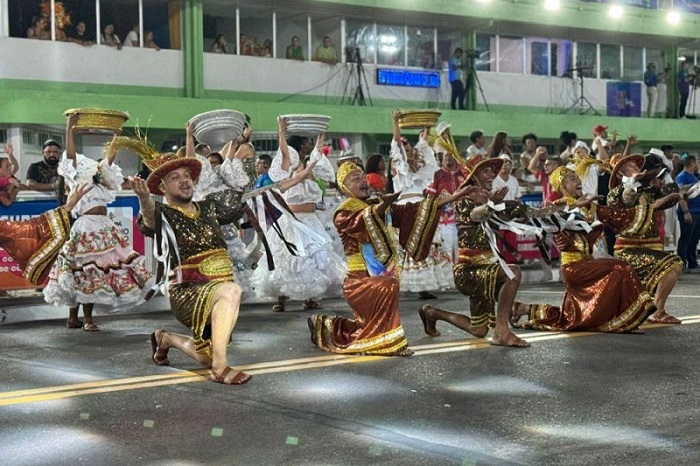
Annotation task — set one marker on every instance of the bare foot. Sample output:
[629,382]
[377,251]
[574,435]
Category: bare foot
[406,352]
[428,319]
[230,376]
[509,339]
[519,310]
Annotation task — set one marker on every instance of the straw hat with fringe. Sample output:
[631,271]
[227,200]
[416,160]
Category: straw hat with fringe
[476,163]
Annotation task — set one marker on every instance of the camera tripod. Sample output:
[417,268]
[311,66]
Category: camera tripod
[583,104]
[473,77]
[358,71]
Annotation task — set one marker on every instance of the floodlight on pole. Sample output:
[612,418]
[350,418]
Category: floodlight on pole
[552,5]
[673,17]
[615,11]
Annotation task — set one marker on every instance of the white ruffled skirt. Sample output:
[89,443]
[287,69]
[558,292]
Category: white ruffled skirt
[98,265]
[434,273]
[315,271]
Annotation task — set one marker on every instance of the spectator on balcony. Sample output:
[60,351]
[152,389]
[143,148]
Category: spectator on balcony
[43,175]
[246,45]
[79,35]
[39,29]
[295,50]
[109,38]
[220,45]
[266,49]
[326,52]
[148,41]
[132,38]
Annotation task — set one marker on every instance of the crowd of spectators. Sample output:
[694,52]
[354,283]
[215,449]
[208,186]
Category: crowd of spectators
[79,34]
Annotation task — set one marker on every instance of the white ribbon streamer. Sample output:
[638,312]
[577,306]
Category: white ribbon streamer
[167,236]
[630,183]
[494,248]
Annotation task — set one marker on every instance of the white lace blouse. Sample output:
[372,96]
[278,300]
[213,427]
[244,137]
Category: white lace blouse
[405,180]
[307,190]
[83,172]
[230,174]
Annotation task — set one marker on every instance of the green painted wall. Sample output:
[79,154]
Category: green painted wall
[168,112]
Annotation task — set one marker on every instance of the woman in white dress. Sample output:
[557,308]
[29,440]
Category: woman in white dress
[413,169]
[314,269]
[96,265]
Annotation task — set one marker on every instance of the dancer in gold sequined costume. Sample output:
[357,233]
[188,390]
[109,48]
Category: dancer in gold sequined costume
[371,286]
[477,274]
[633,204]
[602,294]
[203,292]
[35,243]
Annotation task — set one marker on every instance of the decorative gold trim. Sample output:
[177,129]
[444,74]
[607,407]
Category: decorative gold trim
[419,234]
[356,263]
[59,225]
[632,317]
[571,257]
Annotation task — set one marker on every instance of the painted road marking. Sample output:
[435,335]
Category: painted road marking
[132,383]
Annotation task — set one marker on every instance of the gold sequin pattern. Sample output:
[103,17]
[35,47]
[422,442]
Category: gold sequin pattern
[196,236]
[479,282]
[651,265]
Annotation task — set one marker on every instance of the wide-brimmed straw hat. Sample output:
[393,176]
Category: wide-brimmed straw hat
[617,161]
[164,164]
[477,162]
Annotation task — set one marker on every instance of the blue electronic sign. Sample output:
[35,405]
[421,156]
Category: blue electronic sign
[408,78]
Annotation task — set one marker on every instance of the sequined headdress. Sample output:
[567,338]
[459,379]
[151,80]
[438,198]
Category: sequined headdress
[343,171]
[159,164]
[445,141]
[557,177]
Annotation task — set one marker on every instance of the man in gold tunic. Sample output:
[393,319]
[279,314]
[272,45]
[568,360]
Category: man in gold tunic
[633,206]
[203,293]
[477,274]
[371,286]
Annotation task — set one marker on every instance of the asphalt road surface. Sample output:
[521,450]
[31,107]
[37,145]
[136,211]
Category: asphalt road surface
[72,397]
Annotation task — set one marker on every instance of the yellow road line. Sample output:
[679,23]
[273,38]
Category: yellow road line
[132,383]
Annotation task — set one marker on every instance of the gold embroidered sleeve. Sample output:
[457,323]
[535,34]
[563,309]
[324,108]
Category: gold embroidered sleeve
[417,223]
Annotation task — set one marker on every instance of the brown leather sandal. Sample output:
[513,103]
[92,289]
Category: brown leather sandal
[238,379]
[159,356]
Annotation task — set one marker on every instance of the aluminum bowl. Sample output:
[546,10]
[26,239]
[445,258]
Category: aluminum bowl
[218,127]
